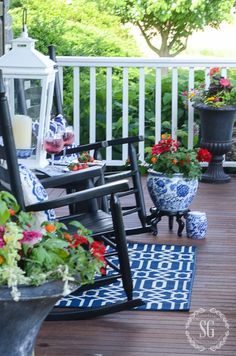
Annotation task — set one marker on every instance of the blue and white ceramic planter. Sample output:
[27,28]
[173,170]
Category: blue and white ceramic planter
[196,225]
[171,194]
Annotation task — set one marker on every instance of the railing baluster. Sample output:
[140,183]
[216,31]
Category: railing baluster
[76,104]
[125,108]
[190,109]
[141,111]
[224,72]
[174,105]
[158,105]
[109,111]
[60,73]
[207,76]
[92,119]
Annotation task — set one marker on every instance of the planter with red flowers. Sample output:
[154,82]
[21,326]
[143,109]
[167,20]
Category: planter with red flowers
[37,266]
[173,174]
[216,106]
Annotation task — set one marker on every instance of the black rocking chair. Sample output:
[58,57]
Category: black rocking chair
[111,224]
[132,174]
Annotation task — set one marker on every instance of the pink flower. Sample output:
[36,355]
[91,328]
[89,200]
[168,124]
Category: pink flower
[2,242]
[2,230]
[31,237]
[225,82]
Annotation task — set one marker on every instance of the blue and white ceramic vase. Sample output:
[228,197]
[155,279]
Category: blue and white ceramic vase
[196,225]
[171,194]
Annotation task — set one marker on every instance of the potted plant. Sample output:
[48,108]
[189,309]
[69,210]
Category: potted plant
[37,267]
[217,109]
[173,174]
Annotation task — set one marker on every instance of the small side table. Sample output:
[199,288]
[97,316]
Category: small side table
[156,216]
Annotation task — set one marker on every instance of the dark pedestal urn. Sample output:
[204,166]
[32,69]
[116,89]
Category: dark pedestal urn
[20,321]
[216,136]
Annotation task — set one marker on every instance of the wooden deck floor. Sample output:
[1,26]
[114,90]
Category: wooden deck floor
[139,333]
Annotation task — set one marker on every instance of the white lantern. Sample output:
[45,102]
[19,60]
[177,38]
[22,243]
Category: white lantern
[29,78]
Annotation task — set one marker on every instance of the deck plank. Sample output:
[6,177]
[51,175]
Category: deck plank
[141,333]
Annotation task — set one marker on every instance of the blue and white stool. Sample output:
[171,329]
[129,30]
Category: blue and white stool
[196,225]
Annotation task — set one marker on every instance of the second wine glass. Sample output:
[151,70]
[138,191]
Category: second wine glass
[68,138]
[53,144]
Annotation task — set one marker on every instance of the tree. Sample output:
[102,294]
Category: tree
[78,29]
[170,21]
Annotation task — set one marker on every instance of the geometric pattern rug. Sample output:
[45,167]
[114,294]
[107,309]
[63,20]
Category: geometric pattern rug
[162,277]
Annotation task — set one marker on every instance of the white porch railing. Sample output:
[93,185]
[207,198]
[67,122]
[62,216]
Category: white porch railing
[93,63]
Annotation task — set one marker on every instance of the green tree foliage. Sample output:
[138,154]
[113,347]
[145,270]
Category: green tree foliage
[79,29]
[167,24]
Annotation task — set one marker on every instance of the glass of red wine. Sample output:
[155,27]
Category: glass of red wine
[53,144]
[68,138]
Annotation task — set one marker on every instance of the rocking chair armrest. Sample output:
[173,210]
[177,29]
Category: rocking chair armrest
[81,148]
[87,194]
[121,141]
[117,176]
[72,177]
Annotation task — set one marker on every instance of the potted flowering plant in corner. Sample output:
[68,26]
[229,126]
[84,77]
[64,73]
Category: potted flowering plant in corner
[37,267]
[173,174]
[217,109]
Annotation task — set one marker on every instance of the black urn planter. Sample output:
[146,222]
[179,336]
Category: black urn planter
[216,136]
[20,321]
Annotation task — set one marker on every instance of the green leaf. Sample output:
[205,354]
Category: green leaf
[4,213]
[167,97]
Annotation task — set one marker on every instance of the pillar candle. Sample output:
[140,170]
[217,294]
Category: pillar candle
[22,131]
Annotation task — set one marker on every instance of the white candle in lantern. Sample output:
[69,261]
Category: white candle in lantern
[22,131]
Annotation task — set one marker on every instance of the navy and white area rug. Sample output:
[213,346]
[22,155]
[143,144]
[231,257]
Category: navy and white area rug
[162,277]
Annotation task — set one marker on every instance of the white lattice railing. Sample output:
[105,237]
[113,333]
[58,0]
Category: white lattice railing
[93,63]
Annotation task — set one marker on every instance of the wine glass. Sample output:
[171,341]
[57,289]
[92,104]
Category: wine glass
[68,138]
[53,144]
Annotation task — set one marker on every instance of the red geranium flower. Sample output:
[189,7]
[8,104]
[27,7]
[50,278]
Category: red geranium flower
[204,155]
[165,145]
[98,250]
[103,271]
[78,240]
[214,70]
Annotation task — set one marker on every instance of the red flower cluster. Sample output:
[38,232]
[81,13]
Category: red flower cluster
[77,240]
[203,155]
[167,144]
[168,157]
[98,250]
[214,71]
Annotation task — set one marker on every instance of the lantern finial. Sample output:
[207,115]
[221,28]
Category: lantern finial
[24,22]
